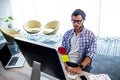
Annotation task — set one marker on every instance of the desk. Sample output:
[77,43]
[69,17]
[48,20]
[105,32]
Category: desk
[21,73]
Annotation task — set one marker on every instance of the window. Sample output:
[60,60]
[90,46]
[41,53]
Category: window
[102,15]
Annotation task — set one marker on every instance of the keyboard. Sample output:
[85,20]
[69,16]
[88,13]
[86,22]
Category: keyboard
[72,76]
[13,61]
[99,77]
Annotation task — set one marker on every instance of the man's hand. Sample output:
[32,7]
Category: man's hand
[74,70]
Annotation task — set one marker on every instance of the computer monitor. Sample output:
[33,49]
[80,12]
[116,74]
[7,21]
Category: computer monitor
[47,55]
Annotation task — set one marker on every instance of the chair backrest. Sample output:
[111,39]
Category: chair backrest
[10,33]
[32,26]
[51,27]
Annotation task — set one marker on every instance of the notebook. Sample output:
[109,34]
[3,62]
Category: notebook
[10,61]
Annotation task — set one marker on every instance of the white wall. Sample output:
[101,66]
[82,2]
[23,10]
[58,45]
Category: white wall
[5,10]
[110,18]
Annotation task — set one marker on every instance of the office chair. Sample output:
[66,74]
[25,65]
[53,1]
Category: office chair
[9,34]
[32,27]
[51,27]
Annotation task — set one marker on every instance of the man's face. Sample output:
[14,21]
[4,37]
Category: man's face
[77,22]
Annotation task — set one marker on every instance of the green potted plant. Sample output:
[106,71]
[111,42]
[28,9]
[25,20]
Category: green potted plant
[9,21]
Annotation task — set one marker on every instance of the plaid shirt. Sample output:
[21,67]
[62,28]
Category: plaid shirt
[87,43]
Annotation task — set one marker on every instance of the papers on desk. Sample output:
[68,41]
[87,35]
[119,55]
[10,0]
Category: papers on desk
[99,77]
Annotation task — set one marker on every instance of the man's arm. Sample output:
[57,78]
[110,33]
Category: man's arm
[86,61]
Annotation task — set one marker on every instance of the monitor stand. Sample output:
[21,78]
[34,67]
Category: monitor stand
[36,73]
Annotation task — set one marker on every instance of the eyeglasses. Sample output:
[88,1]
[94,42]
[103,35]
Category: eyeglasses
[76,21]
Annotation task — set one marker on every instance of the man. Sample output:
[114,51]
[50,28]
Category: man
[80,44]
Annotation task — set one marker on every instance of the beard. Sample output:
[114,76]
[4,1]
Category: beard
[78,28]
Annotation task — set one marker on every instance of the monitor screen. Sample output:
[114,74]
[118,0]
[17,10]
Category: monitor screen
[43,53]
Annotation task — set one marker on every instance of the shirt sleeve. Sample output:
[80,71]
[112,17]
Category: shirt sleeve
[91,50]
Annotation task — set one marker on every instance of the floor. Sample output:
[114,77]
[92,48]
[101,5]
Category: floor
[107,65]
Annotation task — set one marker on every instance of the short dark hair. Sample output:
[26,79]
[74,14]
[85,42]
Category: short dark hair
[79,12]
